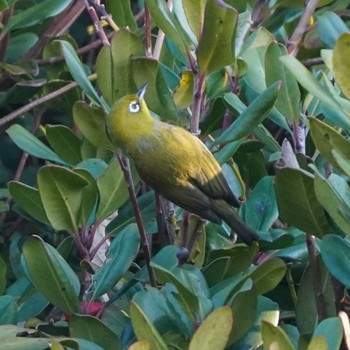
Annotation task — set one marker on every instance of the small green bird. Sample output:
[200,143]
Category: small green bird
[175,163]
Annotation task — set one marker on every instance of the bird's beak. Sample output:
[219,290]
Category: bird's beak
[141,92]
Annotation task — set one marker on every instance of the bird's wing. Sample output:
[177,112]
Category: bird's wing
[210,179]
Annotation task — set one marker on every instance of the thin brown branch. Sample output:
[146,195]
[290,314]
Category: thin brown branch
[125,165]
[21,111]
[301,27]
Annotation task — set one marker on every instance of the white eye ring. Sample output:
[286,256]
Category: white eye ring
[134,107]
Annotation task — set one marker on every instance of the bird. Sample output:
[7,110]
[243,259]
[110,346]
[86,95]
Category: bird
[175,163]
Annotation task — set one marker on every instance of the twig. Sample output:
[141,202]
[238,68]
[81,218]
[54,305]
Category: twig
[197,103]
[125,166]
[300,29]
[344,318]
[316,278]
[90,6]
[20,111]
[148,33]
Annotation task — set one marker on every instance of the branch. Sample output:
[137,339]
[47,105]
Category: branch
[300,29]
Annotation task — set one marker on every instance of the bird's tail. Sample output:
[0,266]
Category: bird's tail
[231,217]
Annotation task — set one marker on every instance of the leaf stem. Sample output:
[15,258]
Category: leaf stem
[125,165]
[197,103]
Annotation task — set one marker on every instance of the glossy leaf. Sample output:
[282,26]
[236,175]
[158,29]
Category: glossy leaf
[10,340]
[194,11]
[252,116]
[341,69]
[335,252]
[121,13]
[288,99]
[61,191]
[268,275]
[216,45]
[330,26]
[246,316]
[309,82]
[113,66]
[306,309]
[327,139]
[51,274]
[112,189]
[64,143]
[36,14]
[92,123]
[92,329]
[331,329]
[158,96]
[183,93]
[333,194]
[77,71]
[8,310]
[29,199]
[144,329]
[167,22]
[141,345]
[275,338]
[214,331]
[260,210]
[122,252]
[30,144]
[297,201]
[3,271]
[318,343]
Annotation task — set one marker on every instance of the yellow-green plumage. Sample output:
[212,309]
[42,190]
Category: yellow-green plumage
[175,163]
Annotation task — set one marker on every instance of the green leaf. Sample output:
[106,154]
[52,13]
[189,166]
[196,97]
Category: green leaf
[166,21]
[8,310]
[330,26]
[268,275]
[29,199]
[141,345]
[77,71]
[36,14]
[61,191]
[275,338]
[30,144]
[112,189]
[260,210]
[214,331]
[194,11]
[64,143]
[226,262]
[9,339]
[246,315]
[3,271]
[297,202]
[122,14]
[51,274]
[331,329]
[309,82]
[216,45]
[306,308]
[92,123]
[335,252]
[122,252]
[318,343]
[341,69]
[288,100]
[94,330]
[144,329]
[333,194]
[158,96]
[327,140]
[252,116]
[185,297]
[113,66]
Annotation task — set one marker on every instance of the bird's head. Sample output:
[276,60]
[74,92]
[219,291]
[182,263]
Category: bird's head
[129,113]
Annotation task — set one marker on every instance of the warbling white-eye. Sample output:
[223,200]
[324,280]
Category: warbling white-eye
[175,163]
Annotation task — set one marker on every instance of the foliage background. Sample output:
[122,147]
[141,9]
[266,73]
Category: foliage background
[267,85]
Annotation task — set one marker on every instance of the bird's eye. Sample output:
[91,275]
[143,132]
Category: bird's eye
[134,107]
